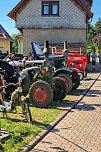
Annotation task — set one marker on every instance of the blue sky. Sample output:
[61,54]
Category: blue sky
[9,24]
[96,9]
[5,7]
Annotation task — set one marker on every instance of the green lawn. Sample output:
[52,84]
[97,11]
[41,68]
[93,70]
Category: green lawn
[23,132]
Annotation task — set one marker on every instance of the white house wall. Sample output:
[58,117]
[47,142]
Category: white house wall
[71,15]
[53,35]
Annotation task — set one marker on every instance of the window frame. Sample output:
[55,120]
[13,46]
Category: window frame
[50,8]
[54,2]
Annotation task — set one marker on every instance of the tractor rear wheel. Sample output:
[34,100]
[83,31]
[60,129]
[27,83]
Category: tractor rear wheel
[75,80]
[59,89]
[40,94]
[1,84]
[67,80]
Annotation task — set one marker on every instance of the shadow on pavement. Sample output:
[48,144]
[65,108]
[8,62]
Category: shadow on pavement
[63,150]
[84,107]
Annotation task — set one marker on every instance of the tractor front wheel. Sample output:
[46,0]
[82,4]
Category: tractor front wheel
[85,73]
[81,75]
[40,94]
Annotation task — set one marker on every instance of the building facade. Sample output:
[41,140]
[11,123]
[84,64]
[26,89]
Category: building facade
[5,40]
[53,20]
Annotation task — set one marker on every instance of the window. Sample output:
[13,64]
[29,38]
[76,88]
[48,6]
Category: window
[55,8]
[46,8]
[50,8]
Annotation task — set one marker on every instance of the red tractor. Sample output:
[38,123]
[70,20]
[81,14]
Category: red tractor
[80,62]
[76,60]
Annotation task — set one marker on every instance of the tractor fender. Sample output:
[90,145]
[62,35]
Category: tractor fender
[62,70]
[74,70]
[28,80]
[7,68]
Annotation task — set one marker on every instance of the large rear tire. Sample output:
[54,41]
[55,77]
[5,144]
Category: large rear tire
[40,94]
[67,80]
[76,80]
[1,84]
[59,89]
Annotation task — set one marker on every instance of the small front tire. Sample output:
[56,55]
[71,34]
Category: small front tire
[40,94]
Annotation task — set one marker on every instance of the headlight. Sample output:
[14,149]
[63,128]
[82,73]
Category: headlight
[80,65]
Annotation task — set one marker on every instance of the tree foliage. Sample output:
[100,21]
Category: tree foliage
[98,26]
[90,35]
[92,31]
[15,43]
[99,46]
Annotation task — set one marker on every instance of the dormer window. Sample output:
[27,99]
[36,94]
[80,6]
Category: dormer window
[50,8]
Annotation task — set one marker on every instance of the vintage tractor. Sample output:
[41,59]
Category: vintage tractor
[78,61]
[70,76]
[59,62]
[45,88]
[38,85]
[15,98]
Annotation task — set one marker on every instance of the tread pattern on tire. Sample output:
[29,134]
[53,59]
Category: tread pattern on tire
[70,84]
[49,90]
[75,80]
[85,73]
[57,95]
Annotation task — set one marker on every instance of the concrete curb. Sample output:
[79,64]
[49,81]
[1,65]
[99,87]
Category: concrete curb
[43,133]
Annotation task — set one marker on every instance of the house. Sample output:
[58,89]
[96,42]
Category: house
[87,3]
[53,20]
[5,40]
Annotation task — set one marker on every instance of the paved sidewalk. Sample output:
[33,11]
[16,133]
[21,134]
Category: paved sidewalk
[80,130]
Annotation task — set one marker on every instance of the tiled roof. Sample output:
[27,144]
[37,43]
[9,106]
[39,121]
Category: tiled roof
[4,34]
[13,12]
[87,3]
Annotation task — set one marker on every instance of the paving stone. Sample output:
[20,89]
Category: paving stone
[80,130]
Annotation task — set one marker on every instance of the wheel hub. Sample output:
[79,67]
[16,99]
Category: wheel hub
[40,95]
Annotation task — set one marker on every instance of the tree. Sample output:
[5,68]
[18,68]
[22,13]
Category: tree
[15,43]
[90,35]
[98,26]
[99,46]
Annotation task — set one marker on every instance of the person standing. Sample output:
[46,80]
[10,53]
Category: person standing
[94,57]
[99,56]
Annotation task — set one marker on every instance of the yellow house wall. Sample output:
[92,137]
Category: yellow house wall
[4,45]
[7,46]
[1,45]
